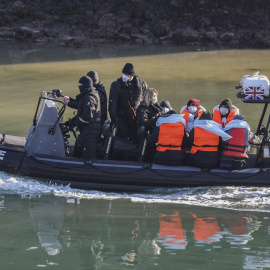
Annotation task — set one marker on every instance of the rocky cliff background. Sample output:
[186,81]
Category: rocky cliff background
[82,23]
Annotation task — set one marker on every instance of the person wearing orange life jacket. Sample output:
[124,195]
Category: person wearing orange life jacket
[205,140]
[225,112]
[191,111]
[235,150]
[170,135]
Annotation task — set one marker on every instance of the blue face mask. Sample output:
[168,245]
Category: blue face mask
[154,99]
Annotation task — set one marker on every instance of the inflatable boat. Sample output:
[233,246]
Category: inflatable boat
[47,155]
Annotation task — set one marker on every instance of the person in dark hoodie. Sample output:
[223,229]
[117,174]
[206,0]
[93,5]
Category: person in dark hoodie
[100,88]
[87,119]
[170,135]
[126,94]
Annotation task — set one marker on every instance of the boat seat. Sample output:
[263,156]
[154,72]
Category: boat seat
[103,140]
[129,150]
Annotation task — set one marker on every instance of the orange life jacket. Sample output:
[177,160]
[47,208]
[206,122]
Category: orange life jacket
[217,117]
[237,145]
[170,136]
[204,141]
[186,114]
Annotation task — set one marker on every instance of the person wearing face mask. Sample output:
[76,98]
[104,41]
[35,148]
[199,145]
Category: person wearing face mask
[147,115]
[126,94]
[225,112]
[170,136]
[235,150]
[191,111]
[87,119]
[149,110]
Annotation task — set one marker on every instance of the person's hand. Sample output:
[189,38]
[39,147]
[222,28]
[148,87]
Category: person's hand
[165,104]
[66,100]
[113,122]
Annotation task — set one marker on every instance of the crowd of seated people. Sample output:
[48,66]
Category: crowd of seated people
[193,137]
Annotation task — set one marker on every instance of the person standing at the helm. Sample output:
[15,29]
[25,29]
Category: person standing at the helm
[126,93]
[87,119]
[225,112]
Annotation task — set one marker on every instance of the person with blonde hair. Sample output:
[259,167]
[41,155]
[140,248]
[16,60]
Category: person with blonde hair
[149,110]
[147,115]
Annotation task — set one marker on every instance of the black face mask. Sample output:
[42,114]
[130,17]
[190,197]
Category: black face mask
[82,88]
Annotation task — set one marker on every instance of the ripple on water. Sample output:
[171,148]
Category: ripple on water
[229,197]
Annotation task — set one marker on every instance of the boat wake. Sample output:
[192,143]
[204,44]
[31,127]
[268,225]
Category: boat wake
[228,197]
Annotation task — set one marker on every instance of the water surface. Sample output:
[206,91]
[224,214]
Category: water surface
[47,226]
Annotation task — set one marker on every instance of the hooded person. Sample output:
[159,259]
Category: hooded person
[205,140]
[87,119]
[100,88]
[224,112]
[170,135]
[234,154]
[126,94]
[191,111]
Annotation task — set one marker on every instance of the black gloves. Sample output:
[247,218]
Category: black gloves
[165,103]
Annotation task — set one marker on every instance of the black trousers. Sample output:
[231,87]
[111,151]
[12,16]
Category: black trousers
[126,128]
[169,157]
[205,159]
[87,139]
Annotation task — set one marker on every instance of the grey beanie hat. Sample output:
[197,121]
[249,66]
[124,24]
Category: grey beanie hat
[93,75]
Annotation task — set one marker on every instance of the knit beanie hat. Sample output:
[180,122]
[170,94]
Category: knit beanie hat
[86,82]
[129,69]
[93,75]
[239,117]
[227,102]
[196,102]
[206,116]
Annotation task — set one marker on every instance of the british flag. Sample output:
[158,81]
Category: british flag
[254,92]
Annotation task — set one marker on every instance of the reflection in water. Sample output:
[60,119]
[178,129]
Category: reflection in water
[48,216]
[171,232]
[95,234]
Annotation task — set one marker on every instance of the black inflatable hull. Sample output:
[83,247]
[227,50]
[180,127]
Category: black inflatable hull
[121,175]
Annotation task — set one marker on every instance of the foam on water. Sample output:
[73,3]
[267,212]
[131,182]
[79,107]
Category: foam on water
[229,197]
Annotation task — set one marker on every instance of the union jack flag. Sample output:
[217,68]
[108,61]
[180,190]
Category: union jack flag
[254,92]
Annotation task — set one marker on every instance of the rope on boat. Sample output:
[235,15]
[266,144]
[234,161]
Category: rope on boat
[110,172]
[54,166]
[178,176]
[87,163]
[241,177]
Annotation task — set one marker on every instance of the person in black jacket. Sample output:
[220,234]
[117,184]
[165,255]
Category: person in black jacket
[149,110]
[87,119]
[100,88]
[126,93]
[147,115]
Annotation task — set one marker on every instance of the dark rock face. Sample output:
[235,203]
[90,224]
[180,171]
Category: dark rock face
[84,23]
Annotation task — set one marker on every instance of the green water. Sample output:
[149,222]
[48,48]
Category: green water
[63,233]
[209,76]
[59,228]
